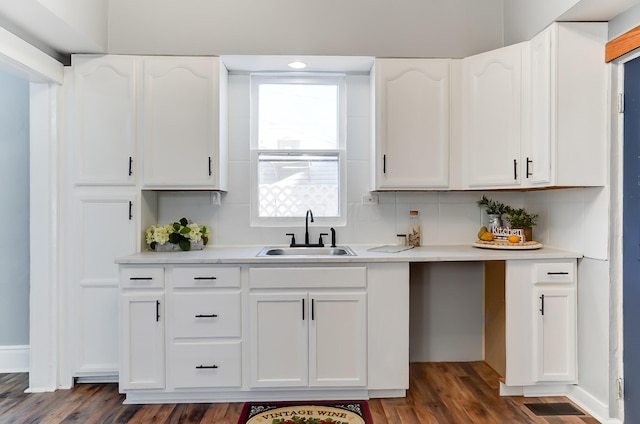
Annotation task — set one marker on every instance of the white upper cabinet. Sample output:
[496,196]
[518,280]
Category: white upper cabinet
[492,99]
[411,148]
[567,126]
[184,123]
[104,119]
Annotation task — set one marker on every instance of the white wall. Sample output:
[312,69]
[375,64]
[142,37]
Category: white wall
[525,18]
[14,213]
[624,22]
[412,28]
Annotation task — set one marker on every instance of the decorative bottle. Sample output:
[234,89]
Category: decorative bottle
[414,229]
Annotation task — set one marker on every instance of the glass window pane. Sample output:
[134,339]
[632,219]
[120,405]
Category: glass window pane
[288,185]
[298,116]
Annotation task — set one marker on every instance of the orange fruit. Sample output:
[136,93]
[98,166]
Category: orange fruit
[513,238]
[486,236]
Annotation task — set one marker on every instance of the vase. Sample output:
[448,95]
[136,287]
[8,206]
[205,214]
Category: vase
[527,232]
[495,220]
[170,247]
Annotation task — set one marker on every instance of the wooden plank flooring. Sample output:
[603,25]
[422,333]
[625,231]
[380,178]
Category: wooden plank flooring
[441,393]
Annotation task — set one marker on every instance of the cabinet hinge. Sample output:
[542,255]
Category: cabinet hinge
[620,384]
[620,102]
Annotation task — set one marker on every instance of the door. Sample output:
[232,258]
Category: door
[338,339]
[279,339]
[412,118]
[105,229]
[492,122]
[631,242]
[537,162]
[555,334]
[142,366]
[105,120]
[180,122]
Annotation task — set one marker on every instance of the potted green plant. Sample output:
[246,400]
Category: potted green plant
[520,218]
[495,210]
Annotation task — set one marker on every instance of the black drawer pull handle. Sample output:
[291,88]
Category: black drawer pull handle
[204,278]
[558,273]
[204,367]
[140,278]
[130,166]
[206,316]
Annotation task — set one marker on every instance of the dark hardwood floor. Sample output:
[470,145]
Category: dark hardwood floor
[448,393]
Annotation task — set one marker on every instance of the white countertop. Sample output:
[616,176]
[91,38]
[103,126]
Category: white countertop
[432,253]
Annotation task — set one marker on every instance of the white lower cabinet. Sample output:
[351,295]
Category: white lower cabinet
[313,339]
[142,328]
[210,333]
[541,322]
[308,326]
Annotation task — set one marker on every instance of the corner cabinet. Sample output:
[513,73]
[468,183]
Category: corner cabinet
[567,121]
[541,322]
[535,113]
[184,123]
[492,98]
[411,123]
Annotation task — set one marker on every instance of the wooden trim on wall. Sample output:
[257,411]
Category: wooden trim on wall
[623,44]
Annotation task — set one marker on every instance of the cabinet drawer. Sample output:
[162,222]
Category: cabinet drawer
[206,314]
[205,276]
[560,272]
[141,277]
[206,365]
[313,277]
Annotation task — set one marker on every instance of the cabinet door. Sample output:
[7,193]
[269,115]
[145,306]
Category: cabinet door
[279,339]
[104,119]
[412,123]
[103,231]
[537,166]
[492,123]
[337,339]
[180,122]
[142,338]
[555,334]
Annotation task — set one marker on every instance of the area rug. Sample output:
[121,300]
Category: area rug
[308,412]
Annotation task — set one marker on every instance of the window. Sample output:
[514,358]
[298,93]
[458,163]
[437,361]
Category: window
[297,149]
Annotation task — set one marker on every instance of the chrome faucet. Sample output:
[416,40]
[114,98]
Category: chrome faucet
[306,226]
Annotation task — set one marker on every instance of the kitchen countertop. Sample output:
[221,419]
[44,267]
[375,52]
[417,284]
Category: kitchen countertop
[429,253]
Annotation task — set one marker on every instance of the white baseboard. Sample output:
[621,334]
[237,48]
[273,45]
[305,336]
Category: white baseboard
[595,408]
[14,358]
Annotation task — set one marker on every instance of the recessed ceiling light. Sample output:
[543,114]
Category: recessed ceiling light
[297,65]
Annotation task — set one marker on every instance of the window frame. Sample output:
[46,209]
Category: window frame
[337,79]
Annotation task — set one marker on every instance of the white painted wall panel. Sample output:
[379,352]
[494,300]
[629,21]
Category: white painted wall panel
[414,28]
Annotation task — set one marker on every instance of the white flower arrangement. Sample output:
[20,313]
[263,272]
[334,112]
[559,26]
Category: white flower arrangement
[180,233]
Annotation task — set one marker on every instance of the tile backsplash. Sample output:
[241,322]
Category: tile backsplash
[575,219]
